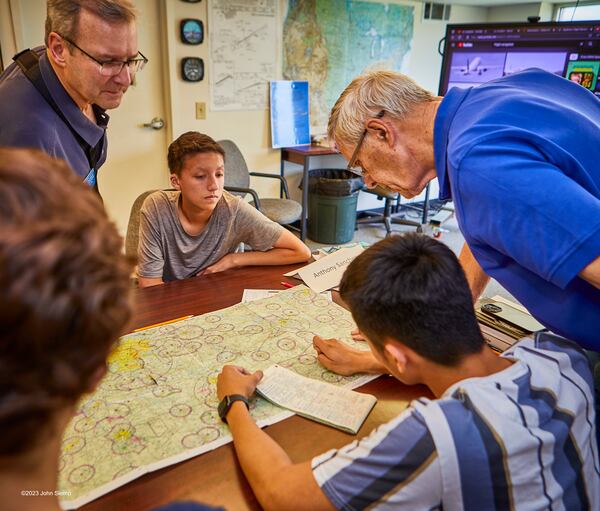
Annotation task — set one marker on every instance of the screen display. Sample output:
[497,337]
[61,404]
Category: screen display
[477,53]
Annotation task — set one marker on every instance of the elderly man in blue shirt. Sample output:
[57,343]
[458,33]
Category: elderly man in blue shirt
[54,98]
[519,158]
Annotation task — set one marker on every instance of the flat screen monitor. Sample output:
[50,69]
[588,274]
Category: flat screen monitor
[290,123]
[477,53]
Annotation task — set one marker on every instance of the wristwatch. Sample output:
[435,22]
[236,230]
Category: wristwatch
[225,405]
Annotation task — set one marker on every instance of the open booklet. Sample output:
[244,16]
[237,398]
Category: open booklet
[323,402]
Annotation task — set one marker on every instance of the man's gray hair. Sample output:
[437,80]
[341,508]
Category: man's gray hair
[369,94]
[62,16]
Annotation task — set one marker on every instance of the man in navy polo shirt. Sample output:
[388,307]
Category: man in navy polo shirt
[54,98]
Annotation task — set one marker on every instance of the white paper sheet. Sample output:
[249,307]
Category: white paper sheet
[251,295]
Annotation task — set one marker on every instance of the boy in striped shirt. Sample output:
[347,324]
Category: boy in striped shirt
[509,432]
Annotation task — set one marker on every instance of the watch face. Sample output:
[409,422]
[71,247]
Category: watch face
[223,408]
[226,403]
[192,69]
[192,31]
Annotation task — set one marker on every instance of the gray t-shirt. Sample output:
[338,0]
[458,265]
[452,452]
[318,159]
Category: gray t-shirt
[166,250]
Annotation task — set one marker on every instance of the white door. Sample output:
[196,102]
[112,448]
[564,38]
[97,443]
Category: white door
[137,155]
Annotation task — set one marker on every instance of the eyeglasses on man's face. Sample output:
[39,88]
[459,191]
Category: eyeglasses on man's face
[352,161]
[114,67]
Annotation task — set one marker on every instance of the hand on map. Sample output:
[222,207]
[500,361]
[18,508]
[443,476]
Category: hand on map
[237,380]
[345,360]
[225,263]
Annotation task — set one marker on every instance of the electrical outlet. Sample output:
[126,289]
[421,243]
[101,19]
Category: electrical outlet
[201,110]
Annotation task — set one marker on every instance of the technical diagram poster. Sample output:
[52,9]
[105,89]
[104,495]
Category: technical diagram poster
[244,50]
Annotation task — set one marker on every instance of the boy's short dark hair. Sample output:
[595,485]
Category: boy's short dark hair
[64,293]
[190,143]
[412,288]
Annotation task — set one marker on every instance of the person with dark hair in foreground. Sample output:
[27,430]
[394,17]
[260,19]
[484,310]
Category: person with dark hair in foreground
[64,300]
[514,431]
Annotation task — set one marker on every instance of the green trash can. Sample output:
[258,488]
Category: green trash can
[332,198]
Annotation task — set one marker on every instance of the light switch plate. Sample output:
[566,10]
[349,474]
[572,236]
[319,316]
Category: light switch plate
[201,110]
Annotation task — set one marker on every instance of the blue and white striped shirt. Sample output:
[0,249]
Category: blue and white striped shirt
[522,438]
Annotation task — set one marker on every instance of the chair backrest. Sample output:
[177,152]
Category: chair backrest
[236,170]
[133,227]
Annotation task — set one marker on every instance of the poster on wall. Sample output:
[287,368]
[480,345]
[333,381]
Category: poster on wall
[243,53]
[329,42]
[290,125]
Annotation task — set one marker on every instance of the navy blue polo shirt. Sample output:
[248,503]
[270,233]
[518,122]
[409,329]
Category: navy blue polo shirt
[26,119]
[520,157]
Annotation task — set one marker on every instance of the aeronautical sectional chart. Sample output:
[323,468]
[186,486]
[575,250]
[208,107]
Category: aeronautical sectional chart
[158,405]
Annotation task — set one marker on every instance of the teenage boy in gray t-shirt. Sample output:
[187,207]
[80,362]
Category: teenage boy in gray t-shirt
[196,229]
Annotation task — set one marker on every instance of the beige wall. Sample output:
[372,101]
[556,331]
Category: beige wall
[250,129]
[547,10]
[520,12]
[33,17]
[8,41]
[425,62]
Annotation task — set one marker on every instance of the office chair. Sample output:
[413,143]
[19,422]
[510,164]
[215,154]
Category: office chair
[132,237]
[237,181]
[390,212]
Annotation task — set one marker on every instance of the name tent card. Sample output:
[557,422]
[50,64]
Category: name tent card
[327,272]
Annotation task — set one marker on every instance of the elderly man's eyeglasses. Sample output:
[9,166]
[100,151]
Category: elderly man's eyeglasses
[352,161]
[114,67]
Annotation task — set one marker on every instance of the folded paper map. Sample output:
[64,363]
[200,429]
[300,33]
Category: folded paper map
[157,405]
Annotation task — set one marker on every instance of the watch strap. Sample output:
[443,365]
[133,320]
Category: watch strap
[227,402]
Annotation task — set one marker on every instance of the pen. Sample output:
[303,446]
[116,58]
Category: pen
[163,323]
[286,284]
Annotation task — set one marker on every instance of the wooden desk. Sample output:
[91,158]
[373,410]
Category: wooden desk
[215,477]
[302,155]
